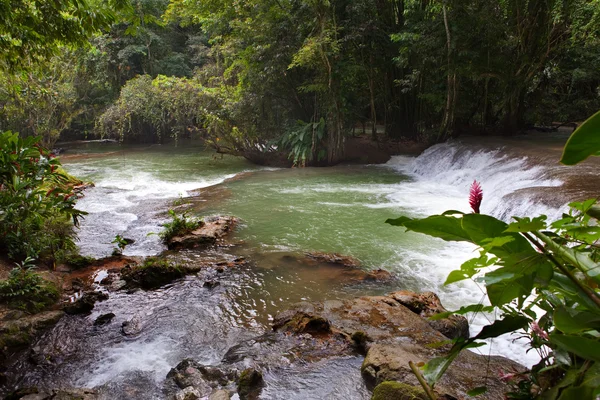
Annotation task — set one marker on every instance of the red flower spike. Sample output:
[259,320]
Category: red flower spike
[475,196]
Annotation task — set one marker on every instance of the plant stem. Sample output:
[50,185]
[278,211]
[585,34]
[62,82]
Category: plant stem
[421,380]
[589,293]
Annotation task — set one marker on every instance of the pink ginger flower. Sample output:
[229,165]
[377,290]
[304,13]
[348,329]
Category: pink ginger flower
[535,328]
[475,196]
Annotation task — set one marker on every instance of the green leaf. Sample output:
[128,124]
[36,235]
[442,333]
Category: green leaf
[509,323]
[582,346]
[584,142]
[435,368]
[527,224]
[578,393]
[463,310]
[574,321]
[469,268]
[440,226]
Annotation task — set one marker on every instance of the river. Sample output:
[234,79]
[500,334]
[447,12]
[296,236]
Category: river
[283,212]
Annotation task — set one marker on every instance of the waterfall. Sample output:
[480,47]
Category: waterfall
[512,185]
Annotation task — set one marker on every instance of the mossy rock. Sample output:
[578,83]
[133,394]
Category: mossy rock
[250,384]
[392,390]
[153,274]
[79,261]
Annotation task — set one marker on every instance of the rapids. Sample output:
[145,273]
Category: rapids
[284,211]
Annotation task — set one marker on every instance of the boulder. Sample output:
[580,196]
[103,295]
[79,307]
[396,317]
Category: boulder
[389,362]
[392,335]
[211,230]
[392,390]
[427,304]
[152,274]
[18,333]
[132,327]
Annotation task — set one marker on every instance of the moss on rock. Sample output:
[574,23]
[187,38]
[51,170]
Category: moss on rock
[153,273]
[250,384]
[392,390]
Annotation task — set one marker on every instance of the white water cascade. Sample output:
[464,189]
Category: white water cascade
[509,183]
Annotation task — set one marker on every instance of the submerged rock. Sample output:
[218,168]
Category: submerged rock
[250,384]
[211,230]
[104,319]
[54,394]
[86,303]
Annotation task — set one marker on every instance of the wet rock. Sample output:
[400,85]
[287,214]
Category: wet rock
[18,333]
[302,322]
[55,394]
[389,362]
[393,335]
[211,284]
[334,258]
[86,303]
[220,395]
[250,384]
[104,319]
[391,390]
[427,304]
[211,230]
[361,341]
[189,393]
[132,327]
[152,274]
[204,378]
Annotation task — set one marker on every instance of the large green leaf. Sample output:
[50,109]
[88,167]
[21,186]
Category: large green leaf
[509,323]
[584,347]
[483,228]
[584,142]
[441,226]
[574,321]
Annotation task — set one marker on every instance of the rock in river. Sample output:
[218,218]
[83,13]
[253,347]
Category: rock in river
[211,230]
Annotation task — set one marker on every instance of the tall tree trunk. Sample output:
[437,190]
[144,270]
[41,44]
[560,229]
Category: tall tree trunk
[447,125]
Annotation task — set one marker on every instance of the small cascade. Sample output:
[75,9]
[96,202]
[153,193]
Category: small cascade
[512,185]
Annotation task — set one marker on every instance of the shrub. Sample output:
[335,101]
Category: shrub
[25,289]
[37,206]
[179,225]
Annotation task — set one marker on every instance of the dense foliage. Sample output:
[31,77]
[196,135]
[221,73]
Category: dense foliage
[299,76]
[37,207]
[543,277]
[27,290]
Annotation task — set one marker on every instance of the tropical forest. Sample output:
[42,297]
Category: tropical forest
[299,199]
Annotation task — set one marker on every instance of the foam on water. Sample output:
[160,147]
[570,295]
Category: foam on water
[125,202]
[444,173]
[154,358]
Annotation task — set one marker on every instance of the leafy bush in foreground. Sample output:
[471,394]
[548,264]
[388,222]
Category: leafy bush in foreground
[37,207]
